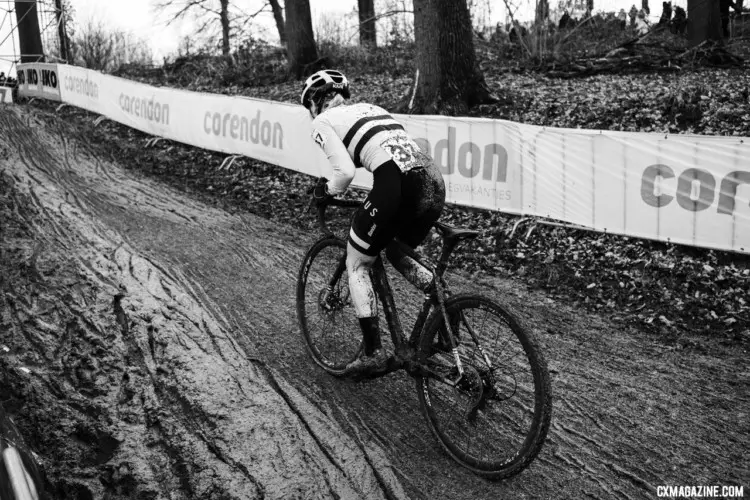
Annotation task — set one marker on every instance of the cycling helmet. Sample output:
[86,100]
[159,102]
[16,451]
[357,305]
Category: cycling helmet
[321,82]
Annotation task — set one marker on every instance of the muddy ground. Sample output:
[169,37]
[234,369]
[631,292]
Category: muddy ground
[153,352]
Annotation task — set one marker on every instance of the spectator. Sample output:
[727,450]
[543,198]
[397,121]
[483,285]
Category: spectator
[633,14]
[666,14]
[565,21]
[517,32]
[622,16]
[641,24]
[724,11]
[678,25]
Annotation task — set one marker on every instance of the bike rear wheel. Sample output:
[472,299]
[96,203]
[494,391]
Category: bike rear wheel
[325,312]
[495,419]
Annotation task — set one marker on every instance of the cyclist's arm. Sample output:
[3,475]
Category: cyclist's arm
[338,156]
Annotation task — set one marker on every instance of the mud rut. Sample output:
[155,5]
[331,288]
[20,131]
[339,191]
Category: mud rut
[174,336]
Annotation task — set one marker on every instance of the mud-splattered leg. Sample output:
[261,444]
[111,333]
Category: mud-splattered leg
[358,266]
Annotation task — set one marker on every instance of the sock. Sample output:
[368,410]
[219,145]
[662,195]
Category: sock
[370,334]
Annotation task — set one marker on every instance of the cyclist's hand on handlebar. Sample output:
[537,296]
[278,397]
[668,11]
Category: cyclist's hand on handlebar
[319,191]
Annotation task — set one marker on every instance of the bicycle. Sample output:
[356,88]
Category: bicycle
[466,381]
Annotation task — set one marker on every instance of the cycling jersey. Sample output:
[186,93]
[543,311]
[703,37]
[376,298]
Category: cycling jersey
[363,135]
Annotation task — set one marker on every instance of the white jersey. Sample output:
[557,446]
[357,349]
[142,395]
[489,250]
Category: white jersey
[363,135]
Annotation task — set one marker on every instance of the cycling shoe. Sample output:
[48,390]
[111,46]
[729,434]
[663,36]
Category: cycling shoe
[369,366]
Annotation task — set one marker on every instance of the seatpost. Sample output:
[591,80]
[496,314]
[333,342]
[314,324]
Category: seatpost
[445,254]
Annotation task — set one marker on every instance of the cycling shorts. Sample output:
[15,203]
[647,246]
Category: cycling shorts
[400,205]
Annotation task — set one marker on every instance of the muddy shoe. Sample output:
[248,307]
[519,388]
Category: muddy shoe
[369,366]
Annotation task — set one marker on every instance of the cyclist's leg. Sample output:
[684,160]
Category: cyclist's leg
[424,199]
[404,260]
[358,267]
[372,228]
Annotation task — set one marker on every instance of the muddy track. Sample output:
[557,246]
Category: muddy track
[186,361]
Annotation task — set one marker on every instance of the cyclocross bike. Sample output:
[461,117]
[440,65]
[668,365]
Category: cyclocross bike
[482,382]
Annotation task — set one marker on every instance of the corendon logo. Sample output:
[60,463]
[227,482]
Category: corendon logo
[81,86]
[468,159]
[696,188]
[150,109]
[255,130]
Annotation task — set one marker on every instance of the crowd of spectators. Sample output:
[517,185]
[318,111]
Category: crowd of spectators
[6,81]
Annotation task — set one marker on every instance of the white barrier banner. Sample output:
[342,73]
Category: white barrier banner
[6,95]
[685,189]
[38,80]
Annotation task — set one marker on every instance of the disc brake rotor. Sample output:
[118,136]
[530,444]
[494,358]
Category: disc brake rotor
[331,302]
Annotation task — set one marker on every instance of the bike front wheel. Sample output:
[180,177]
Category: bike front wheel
[494,418]
[325,311]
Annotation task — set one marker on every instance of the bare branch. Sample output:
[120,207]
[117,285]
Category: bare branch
[210,11]
[182,12]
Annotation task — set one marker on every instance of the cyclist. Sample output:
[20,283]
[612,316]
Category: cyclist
[407,196]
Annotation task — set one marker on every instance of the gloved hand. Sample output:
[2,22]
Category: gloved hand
[320,190]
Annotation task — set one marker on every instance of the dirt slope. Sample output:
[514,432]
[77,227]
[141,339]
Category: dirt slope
[165,356]
[156,395]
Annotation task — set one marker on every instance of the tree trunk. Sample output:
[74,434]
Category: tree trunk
[224,15]
[61,33]
[449,80]
[29,36]
[367,32]
[644,6]
[704,21]
[278,16]
[301,49]
[542,11]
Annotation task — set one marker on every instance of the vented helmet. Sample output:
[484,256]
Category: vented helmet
[321,82]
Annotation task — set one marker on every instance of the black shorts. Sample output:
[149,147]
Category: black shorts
[402,205]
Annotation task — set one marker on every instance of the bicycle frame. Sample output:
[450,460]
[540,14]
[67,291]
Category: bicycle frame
[405,348]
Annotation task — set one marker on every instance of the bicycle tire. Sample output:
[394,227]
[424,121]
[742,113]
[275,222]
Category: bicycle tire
[494,457]
[333,341]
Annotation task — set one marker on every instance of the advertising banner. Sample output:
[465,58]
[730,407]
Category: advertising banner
[686,189]
[38,80]
[6,95]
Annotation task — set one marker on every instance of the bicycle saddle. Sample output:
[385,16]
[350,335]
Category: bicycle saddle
[454,234]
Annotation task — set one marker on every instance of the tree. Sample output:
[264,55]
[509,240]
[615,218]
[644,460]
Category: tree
[278,16]
[448,80]
[224,17]
[180,9]
[542,11]
[62,22]
[302,53]
[367,32]
[704,21]
[102,49]
[231,19]
[29,35]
